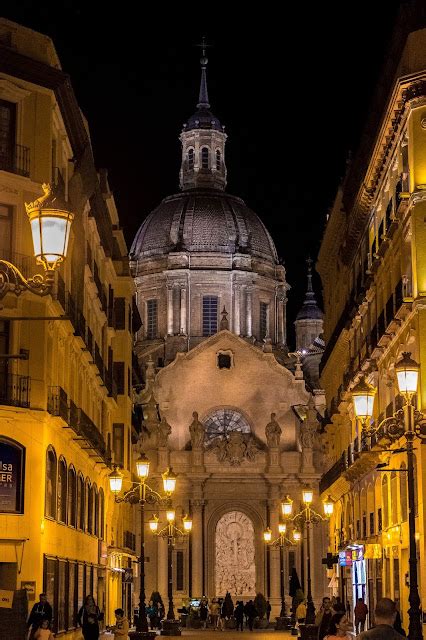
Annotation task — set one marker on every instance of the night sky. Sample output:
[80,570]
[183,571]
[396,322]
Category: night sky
[293,88]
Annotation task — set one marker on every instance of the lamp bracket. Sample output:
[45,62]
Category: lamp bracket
[11,279]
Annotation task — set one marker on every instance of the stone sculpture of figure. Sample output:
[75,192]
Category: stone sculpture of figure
[309,426]
[150,410]
[236,447]
[251,449]
[273,432]
[163,432]
[196,429]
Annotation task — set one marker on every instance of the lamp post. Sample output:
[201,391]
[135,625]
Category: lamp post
[171,532]
[307,516]
[50,221]
[282,541]
[141,494]
[411,424]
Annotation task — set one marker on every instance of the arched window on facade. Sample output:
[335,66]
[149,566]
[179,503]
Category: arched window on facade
[363,513]
[348,521]
[89,506]
[62,490]
[222,422]
[394,497]
[72,497]
[81,503]
[205,158]
[385,501]
[101,513]
[51,478]
[370,510]
[190,158]
[218,160]
[403,492]
[96,510]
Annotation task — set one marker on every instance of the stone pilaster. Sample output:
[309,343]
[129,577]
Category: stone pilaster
[197,506]
[183,329]
[249,312]
[169,310]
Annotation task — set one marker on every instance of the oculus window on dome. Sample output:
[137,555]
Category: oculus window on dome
[222,422]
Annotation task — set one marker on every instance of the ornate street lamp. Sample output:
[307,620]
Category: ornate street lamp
[287,506]
[409,423]
[171,532]
[141,493]
[281,542]
[306,517]
[363,400]
[50,220]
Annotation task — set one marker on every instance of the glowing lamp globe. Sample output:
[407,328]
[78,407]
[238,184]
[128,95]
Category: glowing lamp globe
[169,481]
[328,507]
[187,524]
[142,467]
[407,373]
[267,535]
[297,536]
[153,524]
[50,221]
[170,515]
[287,506]
[115,481]
[307,496]
[363,400]
[282,528]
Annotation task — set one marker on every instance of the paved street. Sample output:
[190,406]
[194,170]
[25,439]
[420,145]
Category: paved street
[260,634]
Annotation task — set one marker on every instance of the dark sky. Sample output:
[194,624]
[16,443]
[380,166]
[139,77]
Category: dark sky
[292,83]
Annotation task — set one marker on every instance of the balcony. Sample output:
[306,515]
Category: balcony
[16,160]
[87,434]
[57,403]
[15,390]
[24,262]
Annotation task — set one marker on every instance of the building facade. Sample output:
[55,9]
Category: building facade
[372,264]
[65,359]
[224,403]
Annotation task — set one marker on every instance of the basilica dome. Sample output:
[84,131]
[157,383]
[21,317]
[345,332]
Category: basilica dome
[203,220]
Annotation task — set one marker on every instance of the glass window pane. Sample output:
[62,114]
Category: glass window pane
[210,307]
[71,595]
[61,596]
[152,319]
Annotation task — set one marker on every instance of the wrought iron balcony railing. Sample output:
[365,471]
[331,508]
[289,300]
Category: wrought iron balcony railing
[15,390]
[16,159]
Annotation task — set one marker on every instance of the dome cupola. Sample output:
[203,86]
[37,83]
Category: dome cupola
[203,143]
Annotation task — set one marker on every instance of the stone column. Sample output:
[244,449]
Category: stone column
[280,321]
[197,547]
[182,328]
[274,559]
[162,568]
[284,321]
[237,305]
[249,312]
[169,310]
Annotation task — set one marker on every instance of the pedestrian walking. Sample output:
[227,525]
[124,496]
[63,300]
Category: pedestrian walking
[222,615]
[121,628]
[251,613]
[323,617]
[44,632]
[239,615]
[214,613]
[339,627]
[41,610]
[360,615]
[88,618]
[204,612]
[384,617]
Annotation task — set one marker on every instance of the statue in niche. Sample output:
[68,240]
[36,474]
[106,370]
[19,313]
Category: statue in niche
[273,432]
[197,430]
[163,432]
[309,426]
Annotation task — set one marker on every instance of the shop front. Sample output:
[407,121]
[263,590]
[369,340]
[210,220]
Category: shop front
[354,575]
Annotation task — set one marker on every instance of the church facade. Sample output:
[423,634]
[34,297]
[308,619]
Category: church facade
[224,403]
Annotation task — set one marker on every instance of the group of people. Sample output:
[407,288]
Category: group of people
[217,613]
[155,612]
[88,618]
[334,623]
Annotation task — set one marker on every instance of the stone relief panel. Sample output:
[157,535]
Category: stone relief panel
[235,568]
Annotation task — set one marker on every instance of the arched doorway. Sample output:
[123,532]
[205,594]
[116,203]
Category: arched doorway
[235,567]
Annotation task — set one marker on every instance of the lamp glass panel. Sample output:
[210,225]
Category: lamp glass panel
[328,507]
[287,507]
[170,515]
[35,230]
[267,535]
[53,237]
[115,482]
[407,380]
[297,535]
[363,405]
[153,525]
[187,525]
[282,527]
[308,496]
[142,468]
